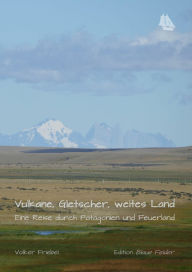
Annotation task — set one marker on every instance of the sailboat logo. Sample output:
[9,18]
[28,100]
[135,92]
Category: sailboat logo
[166,23]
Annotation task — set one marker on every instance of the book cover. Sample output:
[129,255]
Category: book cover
[95,136]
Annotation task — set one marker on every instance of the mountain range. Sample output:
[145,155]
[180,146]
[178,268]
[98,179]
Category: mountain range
[53,133]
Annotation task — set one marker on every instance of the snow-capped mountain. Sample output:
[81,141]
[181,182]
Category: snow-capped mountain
[53,133]
[48,133]
[104,136]
[137,139]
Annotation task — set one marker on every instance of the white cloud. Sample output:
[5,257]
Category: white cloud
[185,99]
[79,63]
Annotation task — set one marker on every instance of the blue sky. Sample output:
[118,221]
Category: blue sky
[83,61]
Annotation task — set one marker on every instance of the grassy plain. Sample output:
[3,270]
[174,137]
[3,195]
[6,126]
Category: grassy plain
[41,174]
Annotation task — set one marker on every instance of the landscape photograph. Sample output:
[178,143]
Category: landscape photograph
[95,136]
